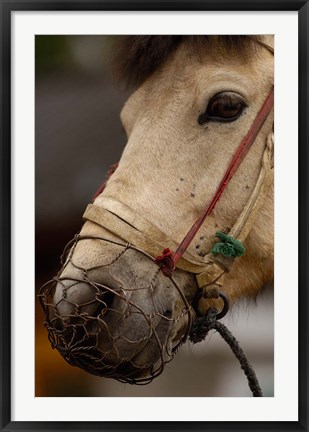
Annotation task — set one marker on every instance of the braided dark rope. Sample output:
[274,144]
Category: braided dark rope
[201,327]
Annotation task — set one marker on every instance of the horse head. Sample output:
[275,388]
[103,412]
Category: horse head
[122,303]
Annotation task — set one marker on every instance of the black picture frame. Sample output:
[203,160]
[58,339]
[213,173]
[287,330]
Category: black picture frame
[6,8]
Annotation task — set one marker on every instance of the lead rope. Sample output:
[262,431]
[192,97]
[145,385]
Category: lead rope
[167,261]
[200,329]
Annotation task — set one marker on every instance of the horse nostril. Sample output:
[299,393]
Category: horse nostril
[168,313]
[105,300]
[84,302]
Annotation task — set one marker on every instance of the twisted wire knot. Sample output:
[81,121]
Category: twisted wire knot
[166,262]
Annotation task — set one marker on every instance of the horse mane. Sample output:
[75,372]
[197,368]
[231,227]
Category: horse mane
[135,58]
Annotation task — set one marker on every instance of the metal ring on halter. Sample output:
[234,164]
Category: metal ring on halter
[225,308]
[219,315]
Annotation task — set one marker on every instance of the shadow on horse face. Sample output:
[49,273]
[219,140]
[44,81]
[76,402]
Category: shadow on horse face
[123,319]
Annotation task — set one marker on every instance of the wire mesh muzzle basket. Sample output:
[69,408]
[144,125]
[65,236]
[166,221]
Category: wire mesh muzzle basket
[113,330]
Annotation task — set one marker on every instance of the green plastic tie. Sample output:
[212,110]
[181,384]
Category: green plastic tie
[228,246]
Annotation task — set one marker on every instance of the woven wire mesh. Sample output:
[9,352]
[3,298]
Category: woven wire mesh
[81,329]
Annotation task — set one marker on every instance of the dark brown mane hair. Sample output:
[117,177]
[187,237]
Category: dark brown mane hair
[135,58]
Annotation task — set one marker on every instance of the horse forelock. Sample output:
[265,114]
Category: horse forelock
[135,58]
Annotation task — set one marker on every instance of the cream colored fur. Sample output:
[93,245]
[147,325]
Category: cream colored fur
[168,172]
[171,165]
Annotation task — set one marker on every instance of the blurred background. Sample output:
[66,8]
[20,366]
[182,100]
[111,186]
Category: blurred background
[78,135]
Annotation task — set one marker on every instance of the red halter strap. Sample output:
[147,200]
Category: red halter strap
[169,259]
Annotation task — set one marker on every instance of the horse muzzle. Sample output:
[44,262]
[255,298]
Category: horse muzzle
[124,320]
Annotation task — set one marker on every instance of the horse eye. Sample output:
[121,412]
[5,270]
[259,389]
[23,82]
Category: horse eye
[223,107]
